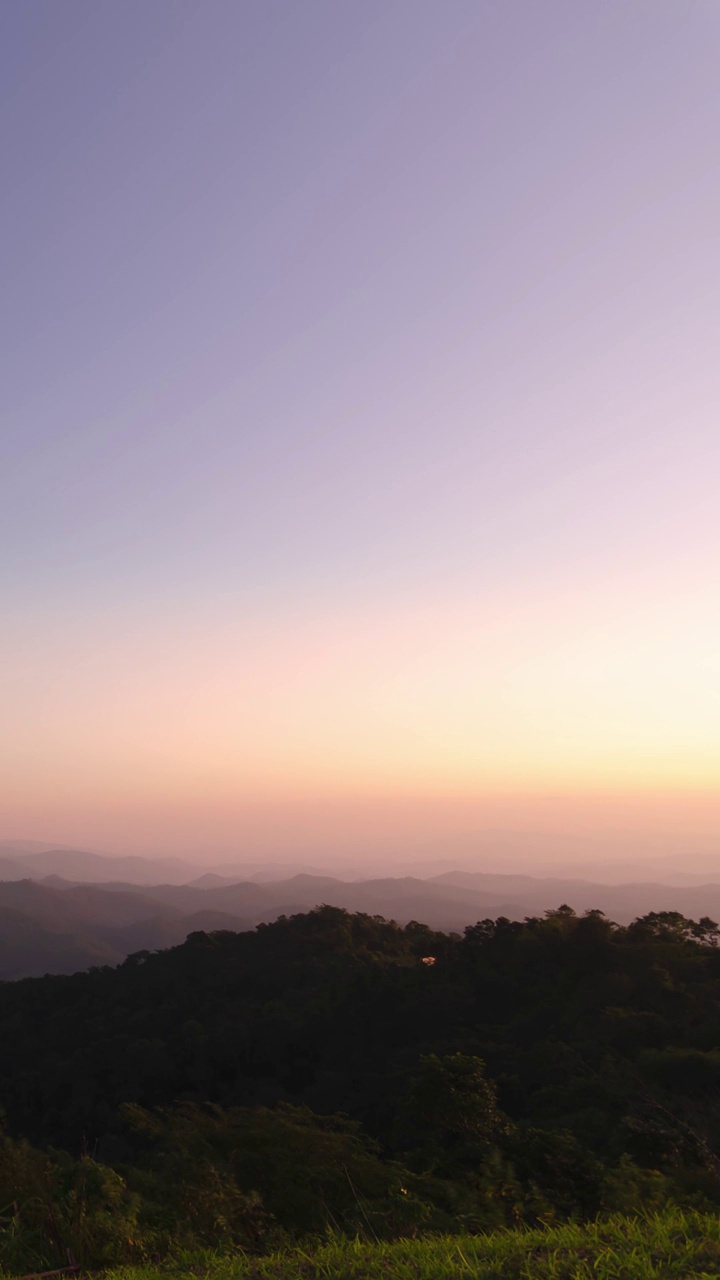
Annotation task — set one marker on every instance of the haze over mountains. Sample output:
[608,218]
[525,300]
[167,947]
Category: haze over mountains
[615,858]
[62,910]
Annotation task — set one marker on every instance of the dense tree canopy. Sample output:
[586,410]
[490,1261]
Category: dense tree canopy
[554,1067]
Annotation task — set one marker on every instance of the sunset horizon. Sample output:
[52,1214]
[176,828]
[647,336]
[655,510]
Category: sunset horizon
[360,453]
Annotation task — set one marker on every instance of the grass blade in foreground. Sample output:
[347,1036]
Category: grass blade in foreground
[668,1246]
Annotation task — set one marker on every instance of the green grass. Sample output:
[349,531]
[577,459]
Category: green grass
[671,1244]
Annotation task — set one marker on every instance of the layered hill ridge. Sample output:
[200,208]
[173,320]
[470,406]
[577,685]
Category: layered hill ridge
[664,859]
[58,925]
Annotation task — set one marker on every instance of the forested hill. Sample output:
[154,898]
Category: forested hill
[581,1024]
[211,1092]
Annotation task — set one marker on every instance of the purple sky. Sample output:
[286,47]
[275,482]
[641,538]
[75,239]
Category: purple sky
[360,392]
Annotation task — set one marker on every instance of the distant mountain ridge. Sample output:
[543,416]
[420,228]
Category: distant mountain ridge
[484,853]
[94,868]
[25,859]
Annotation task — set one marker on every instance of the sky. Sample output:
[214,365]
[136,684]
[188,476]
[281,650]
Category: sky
[359,422]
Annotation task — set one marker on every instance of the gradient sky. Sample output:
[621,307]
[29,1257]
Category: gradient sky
[360,436]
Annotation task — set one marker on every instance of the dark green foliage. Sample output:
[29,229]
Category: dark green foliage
[451,1121]
[245,1088]
[51,1203]
[232,1176]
